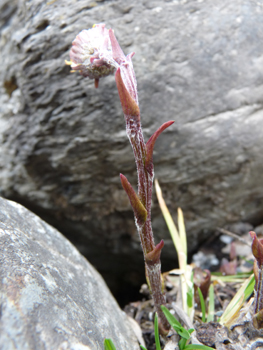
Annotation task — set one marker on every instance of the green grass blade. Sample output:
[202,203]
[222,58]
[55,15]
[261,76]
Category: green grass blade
[197,347]
[143,348]
[170,318]
[108,344]
[182,343]
[181,331]
[189,299]
[238,274]
[202,303]
[238,278]
[156,333]
[211,304]
[175,324]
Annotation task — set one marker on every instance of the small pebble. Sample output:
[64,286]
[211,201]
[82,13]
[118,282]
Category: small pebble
[226,239]
[205,261]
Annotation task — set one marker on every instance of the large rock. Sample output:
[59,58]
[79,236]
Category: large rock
[63,143]
[51,297]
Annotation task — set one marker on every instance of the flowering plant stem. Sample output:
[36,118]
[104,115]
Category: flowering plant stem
[145,183]
[96,53]
[142,204]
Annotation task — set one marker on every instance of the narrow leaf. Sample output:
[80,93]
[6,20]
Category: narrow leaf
[129,105]
[150,146]
[202,279]
[156,333]
[238,278]
[236,303]
[170,318]
[108,344]
[211,304]
[183,333]
[202,303]
[139,210]
[182,343]
[117,52]
[182,231]
[197,347]
[257,248]
[189,298]
[171,226]
[154,256]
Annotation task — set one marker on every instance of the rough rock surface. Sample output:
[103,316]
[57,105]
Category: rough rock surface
[63,142]
[51,297]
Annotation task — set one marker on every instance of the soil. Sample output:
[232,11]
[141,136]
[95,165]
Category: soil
[233,257]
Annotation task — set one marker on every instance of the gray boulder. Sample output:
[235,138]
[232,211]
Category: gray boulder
[51,297]
[63,143]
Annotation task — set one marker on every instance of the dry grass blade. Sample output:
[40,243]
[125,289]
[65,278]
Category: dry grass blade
[180,242]
[168,219]
[182,231]
[231,312]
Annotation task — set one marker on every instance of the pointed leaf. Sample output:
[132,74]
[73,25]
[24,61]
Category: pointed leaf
[139,210]
[170,318]
[125,65]
[202,279]
[117,52]
[150,146]
[182,332]
[257,248]
[154,256]
[129,105]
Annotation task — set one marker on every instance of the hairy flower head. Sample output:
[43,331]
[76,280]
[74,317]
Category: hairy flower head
[96,53]
[91,53]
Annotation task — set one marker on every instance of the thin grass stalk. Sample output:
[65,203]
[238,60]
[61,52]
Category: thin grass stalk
[180,243]
[211,304]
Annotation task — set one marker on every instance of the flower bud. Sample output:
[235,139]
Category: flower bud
[91,53]
[257,248]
